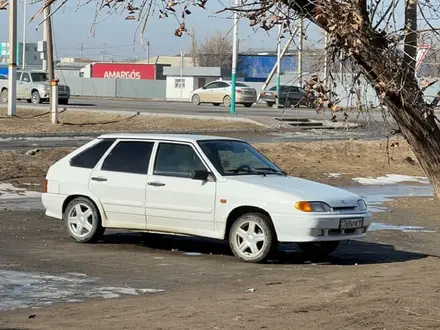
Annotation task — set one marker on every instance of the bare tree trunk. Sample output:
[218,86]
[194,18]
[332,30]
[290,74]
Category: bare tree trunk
[410,47]
[383,66]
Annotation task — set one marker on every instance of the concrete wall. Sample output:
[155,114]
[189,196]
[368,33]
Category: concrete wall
[101,87]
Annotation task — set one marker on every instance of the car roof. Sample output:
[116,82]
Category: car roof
[167,137]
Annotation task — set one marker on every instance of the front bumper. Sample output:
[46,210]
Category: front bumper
[320,227]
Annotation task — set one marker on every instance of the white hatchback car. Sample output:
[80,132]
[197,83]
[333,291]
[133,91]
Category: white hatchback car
[206,186]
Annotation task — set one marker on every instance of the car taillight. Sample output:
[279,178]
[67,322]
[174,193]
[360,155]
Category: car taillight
[45,186]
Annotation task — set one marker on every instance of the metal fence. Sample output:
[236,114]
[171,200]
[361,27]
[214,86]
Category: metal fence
[122,88]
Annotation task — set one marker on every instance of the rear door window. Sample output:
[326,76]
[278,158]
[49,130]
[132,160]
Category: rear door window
[129,157]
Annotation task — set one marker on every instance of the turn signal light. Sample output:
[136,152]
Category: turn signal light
[303,206]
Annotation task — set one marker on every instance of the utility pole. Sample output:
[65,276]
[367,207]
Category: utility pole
[148,52]
[23,50]
[278,64]
[45,33]
[300,52]
[12,73]
[234,60]
[81,50]
[182,54]
[50,68]
[272,72]
[104,45]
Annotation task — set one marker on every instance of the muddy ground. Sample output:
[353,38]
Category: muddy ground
[37,122]
[314,160]
[391,280]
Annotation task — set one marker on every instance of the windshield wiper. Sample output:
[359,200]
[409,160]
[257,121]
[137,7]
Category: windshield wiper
[249,171]
[271,170]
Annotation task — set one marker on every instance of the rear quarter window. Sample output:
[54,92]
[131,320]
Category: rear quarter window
[89,157]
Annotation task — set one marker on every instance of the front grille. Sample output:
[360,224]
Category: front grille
[344,208]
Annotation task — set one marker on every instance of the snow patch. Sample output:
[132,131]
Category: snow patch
[24,290]
[334,175]
[8,190]
[391,179]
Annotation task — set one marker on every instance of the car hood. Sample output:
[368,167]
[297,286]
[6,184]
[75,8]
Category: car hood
[301,189]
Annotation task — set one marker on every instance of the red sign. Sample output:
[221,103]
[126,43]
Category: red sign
[123,71]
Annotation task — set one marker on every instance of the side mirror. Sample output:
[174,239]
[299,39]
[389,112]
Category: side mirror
[201,175]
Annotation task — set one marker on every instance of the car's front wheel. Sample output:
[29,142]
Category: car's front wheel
[83,221]
[36,99]
[318,249]
[252,238]
[227,101]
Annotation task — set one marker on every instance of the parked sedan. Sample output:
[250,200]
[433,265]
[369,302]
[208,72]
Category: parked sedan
[289,96]
[219,92]
[206,186]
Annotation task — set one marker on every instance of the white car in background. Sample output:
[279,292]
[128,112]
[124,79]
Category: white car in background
[206,186]
[219,92]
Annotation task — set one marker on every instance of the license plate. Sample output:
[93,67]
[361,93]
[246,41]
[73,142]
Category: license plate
[351,223]
[268,94]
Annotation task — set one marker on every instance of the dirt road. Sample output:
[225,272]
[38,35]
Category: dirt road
[389,281]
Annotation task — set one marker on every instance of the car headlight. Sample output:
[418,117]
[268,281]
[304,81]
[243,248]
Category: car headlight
[312,206]
[362,206]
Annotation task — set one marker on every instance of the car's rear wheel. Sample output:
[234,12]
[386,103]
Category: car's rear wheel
[252,238]
[4,96]
[195,99]
[83,221]
[248,105]
[63,101]
[227,101]
[318,249]
[270,104]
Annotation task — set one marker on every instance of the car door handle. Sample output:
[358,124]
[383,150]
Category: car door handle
[156,184]
[98,178]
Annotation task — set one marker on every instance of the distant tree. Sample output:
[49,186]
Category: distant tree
[215,51]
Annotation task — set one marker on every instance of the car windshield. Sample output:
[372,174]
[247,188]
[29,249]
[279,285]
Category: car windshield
[237,158]
[39,76]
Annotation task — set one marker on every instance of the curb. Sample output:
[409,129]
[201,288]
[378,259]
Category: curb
[19,136]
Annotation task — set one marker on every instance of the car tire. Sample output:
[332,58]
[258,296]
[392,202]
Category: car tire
[195,99]
[216,104]
[288,104]
[36,99]
[227,101]
[4,96]
[318,250]
[270,104]
[247,105]
[63,101]
[256,224]
[83,221]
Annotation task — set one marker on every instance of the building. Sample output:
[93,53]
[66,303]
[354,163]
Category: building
[32,54]
[173,61]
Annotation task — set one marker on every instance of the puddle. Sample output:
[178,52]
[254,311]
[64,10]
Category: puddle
[24,290]
[384,226]
[377,195]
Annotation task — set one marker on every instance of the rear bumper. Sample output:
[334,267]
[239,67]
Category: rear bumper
[53,203]
[291,228]
[246,99]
